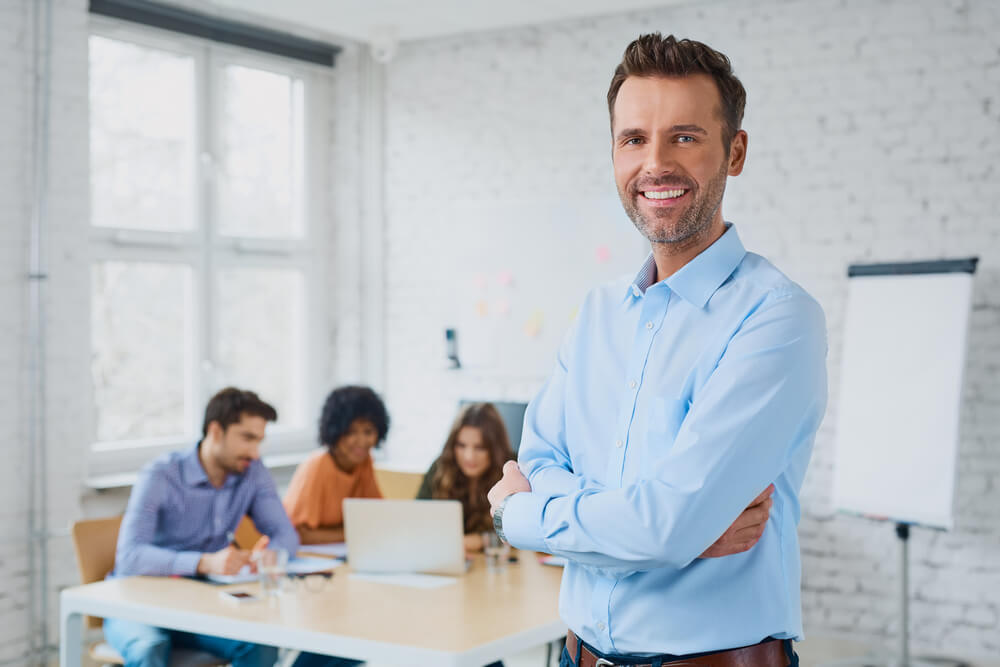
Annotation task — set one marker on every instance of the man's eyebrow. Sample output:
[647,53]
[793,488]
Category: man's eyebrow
[690,129]
[630,132]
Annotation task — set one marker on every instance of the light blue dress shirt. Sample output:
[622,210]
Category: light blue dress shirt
[175,515]
[671,407]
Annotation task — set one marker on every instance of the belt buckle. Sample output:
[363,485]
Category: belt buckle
[601,662]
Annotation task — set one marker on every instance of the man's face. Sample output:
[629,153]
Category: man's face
[669,161]
[239,445]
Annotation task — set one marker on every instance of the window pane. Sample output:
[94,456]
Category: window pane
[140,320]
[260,175]
[142,137]
[260,323]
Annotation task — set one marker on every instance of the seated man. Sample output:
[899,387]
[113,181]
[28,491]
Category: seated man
[182,514]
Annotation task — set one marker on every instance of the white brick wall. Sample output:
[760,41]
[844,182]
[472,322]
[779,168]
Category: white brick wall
[873,136]
[66,290]
[69,394]
[873,132]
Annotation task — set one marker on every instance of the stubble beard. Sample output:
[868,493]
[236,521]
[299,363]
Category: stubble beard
[692,223]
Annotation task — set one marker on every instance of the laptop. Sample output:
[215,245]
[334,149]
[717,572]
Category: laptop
[404,535]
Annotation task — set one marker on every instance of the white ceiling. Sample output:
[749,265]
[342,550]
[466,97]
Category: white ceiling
[364,20]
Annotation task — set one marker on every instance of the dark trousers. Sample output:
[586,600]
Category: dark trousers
[566,661]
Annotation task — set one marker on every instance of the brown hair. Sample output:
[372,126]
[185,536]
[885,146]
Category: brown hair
[450,483]
[229,405]
[656,56]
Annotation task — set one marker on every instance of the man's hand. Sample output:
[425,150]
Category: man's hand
[229,560]
[513,481]
[746,530]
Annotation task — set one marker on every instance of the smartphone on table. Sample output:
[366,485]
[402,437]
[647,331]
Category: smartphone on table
[239,597]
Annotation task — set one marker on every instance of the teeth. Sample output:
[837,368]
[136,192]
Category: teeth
[663,194]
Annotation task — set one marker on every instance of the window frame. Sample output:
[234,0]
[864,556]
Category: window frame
[206,251]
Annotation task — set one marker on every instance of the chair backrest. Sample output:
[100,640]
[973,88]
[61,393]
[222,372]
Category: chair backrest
[247,533]
[398,485]
[94,541]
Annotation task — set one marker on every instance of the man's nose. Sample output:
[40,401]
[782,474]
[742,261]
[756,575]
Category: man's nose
[660,157]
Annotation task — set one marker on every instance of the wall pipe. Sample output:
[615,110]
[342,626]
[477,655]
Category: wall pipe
[38,506]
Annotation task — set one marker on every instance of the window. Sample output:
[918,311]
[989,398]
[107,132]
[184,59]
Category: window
[203,251]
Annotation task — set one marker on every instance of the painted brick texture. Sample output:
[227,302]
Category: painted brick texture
[873,136]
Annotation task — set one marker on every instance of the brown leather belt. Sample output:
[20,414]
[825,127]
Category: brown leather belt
[770,653]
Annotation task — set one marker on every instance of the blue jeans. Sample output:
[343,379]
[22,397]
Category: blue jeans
[566,661]
[146,646]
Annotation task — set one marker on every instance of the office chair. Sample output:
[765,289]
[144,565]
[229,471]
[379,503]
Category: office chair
[94,541]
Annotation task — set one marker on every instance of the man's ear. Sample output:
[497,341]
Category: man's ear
[215,431]
[737,153]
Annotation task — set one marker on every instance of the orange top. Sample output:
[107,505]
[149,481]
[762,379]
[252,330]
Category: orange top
[316,493]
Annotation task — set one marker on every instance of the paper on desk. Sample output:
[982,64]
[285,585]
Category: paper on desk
[295,566]
[311,565]
[242,577]
[335,549]
[404,579]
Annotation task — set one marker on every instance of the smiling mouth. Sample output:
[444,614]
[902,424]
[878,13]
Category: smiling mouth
[663,195]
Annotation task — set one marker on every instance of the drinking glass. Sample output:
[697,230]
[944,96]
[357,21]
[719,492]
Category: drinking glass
[272,568]
[496,551]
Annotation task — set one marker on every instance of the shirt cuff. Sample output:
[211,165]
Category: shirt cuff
[186,563]
[522,520]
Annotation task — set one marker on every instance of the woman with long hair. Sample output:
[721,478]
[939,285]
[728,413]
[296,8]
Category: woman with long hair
[468,466]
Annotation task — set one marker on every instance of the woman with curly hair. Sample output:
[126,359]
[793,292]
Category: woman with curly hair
[354,420]
[469,465]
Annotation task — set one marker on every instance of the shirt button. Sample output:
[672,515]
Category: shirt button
[601,626]
[618,443]
[649,325]
[632,384]
[635,291]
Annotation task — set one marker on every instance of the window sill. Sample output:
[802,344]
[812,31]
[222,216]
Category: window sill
[127,479]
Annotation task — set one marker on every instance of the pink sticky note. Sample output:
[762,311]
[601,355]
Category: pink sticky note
[603,254]
[505,278]
[502,307]
[480,281]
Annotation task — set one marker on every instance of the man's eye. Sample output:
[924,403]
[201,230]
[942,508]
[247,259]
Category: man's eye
[685,139]
[633,141]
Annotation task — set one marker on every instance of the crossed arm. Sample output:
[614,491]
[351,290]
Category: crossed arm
[764,399]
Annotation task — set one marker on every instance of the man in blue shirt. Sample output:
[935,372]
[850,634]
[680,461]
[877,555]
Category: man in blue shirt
[678,396]
[182,514]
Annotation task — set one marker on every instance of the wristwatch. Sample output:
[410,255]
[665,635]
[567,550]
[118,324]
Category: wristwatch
[498,519]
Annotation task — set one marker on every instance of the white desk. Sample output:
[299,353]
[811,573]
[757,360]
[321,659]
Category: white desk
[480,618]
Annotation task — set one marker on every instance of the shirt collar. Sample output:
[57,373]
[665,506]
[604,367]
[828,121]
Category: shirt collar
[697,280]
[193,472]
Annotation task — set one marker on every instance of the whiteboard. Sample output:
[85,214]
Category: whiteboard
[897,427]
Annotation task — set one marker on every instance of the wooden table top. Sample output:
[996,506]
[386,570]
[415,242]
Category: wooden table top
[479,608]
